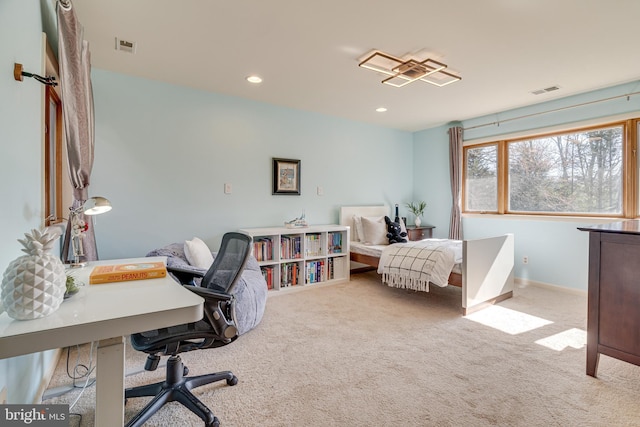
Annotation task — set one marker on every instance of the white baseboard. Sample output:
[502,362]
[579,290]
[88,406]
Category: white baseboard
[46,379]
[526,282]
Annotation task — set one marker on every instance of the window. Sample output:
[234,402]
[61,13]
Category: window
[481,178]
[53,157]
[582,172]
[53,162]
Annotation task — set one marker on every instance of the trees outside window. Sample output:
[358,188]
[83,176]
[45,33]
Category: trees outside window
[481,178]
[573,173]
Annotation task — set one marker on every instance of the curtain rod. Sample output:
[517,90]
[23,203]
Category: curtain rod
[555,110]
[18,73]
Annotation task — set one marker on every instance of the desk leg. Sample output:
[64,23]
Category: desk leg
[110,383]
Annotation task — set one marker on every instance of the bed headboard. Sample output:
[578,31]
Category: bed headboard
[347,213]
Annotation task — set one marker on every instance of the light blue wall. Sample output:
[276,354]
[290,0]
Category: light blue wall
[431,180]
[557,251]
[21,165]
[164,152]
[588,109]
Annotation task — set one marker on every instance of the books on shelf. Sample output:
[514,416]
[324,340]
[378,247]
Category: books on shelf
[291,247]
[263,249]
[289,274]
[125,272]
[290,258]
[335,267]
[315,272]
[267,273]
[335,242]
[313,244]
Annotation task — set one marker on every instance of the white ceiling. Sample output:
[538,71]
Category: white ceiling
[308,52]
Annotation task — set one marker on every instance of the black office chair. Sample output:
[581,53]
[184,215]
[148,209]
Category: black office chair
[217,328]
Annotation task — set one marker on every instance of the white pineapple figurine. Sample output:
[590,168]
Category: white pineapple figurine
[34,284]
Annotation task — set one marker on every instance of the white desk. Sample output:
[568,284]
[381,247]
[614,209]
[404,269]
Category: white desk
[104,313]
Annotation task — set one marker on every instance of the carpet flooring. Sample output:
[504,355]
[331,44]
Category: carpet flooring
[362,354]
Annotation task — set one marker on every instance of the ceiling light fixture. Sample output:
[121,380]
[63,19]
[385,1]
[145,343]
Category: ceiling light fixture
[401,72]
[381,109]
[254,79]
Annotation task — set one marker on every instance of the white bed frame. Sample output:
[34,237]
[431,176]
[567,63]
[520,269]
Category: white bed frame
[487,265]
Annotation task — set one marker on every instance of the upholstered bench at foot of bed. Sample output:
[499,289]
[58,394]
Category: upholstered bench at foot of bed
[250,292]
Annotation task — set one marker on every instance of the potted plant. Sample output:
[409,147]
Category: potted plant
[417,209]
[72,286]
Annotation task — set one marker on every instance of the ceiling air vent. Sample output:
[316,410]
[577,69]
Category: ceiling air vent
[125,46]
[545,90]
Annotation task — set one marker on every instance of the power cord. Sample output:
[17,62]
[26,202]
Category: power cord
[80,371]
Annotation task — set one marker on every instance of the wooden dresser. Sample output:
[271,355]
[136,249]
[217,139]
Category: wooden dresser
[613,316]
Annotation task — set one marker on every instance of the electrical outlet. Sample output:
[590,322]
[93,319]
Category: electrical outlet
[3,396]
[227,188]
[320,191]
[525,260]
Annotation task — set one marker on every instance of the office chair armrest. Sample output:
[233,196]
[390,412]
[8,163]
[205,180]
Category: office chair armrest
[208,293]
[219,311]
[186,275]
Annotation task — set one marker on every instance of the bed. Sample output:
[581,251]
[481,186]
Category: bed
[483,268]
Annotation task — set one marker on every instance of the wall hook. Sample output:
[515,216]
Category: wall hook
[18,73]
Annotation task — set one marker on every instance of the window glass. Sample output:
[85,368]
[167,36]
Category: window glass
[481,178]
[580,172]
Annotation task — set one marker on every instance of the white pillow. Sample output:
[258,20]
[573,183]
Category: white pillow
[374,230]
[358,232]
[198,253]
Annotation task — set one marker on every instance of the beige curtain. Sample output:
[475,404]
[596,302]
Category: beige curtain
[455,170]
[78,116]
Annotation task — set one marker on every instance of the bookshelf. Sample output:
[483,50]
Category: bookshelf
[290,257]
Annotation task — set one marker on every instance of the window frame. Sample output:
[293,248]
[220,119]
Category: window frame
[630,185]
[52,158]
[498,177]
[53,144]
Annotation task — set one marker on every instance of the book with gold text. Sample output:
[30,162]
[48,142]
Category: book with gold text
[124,272]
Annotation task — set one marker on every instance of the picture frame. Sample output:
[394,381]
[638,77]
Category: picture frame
[286,177]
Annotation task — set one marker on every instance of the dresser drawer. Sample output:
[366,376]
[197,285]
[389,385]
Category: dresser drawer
[419,233]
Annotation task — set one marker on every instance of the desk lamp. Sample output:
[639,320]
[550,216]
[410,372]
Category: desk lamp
[93,206]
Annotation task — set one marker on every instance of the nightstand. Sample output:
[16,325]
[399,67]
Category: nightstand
[418,233]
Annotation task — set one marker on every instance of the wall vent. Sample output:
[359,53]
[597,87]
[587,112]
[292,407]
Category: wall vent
[545,90]
[125,45]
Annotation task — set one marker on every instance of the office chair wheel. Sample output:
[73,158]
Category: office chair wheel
[185,371]
[232,381]
[214,423]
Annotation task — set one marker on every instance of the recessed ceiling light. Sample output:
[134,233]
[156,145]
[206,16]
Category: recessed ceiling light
[254,79]
[381,109]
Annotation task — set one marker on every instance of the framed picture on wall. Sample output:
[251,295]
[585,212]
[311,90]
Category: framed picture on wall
[286,176]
